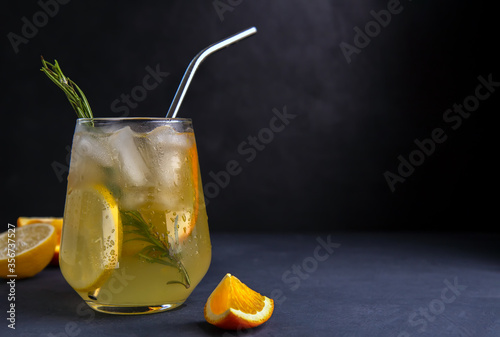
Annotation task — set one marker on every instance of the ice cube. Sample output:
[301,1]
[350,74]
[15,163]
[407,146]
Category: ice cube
[134,197]
[169,149]
[167,136]
[86,145]
[132,166]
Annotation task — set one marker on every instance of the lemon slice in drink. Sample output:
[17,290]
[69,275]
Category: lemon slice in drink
[91,238]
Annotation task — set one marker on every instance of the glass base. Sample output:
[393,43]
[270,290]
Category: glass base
[132,309]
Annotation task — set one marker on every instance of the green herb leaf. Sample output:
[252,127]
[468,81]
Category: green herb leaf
[158,250]
[74,94]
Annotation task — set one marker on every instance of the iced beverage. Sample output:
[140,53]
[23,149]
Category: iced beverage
[135,234]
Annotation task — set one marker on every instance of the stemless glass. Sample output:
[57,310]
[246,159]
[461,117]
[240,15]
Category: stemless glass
[135,237]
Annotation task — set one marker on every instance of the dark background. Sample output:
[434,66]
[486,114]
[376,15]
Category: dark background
[325,170]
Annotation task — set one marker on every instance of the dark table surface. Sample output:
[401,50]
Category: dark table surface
[329,284]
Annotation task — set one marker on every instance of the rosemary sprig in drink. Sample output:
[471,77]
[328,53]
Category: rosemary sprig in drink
[158,250]
[74,94]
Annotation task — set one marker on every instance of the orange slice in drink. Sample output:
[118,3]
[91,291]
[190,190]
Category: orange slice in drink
[195,178]
[26,251]
[54,221]
[234,306]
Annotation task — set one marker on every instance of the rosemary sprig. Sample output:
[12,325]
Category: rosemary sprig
[158,250]
[74,94]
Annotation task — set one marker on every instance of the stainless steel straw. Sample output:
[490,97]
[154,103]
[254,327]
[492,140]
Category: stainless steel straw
[195,63]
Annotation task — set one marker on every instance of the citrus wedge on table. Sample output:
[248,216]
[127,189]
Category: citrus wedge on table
[26,251]
[91,239]
[233,305]
[54,221]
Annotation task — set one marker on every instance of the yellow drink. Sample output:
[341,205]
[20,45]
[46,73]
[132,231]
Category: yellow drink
[135,236]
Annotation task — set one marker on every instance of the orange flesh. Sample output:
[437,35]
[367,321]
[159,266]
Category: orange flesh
[232,293]
[193,153]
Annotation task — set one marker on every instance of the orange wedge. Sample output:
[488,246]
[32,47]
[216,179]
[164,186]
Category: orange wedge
[54,221]
[234,306]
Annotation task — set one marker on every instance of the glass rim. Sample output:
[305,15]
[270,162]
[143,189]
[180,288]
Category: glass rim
[142,119]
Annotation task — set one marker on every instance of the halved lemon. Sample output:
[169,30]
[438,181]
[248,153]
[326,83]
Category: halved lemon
[234,306]
[54,221]
[91,238]
[26,251]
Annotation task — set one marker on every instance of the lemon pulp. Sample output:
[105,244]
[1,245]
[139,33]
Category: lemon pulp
[91,238]
[33,247]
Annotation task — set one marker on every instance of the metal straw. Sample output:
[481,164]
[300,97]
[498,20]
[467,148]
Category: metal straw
[195,63]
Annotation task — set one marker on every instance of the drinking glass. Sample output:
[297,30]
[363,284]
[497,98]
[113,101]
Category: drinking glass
[135,235]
